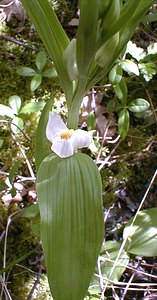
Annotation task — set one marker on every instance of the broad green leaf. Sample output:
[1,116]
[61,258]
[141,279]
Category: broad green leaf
[6,111]
[121,92]
[142,236]
[115,74]
[50,72]
[69,57]
[41,60]
[130,67]
[35,82]
[32,107]
[53,37]
[72,227]
[123,123]
[106,260]
[15,103]
[25,71]
[42,145]
[17,125]
[138,105]
[13,171]
[86,35]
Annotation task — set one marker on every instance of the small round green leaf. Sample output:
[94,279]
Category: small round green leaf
[123,123]
[138,105]
[25,71]
[17,125]
[32,107]
[41,60]
[15,103]
[50,72]
[35,82]
[115,74]
[121,92]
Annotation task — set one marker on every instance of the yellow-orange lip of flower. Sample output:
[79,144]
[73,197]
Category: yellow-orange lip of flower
[66,134]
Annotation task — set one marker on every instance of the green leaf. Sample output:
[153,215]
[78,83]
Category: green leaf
[148,70]
[15,103]
[115,74]
[138,105]
[123,123]
[69,56]
[72,227]
[13,171]
[32,107]
[142,236]
[42,145]
[50,72]
[41,60]
[130,67]
[31,211]
[106,260]
[17,125]
[53,37]
[6,111]
[121,92]
[35,82]
[86,35]
[25,71]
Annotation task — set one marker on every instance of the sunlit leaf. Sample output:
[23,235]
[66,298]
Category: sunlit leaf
[123,123]
[6,111]
[138,105]
[72,227]
[35,82]
[129,67]
[142,236]
[41,60]
[15,103]
[17,125]
[32,107]
[25,71]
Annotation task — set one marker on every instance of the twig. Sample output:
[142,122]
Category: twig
[10,39]
[109,156]
[126,238]
[10,218]
[24,155]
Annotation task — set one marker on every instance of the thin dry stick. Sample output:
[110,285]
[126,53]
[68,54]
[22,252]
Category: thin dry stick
[5,246]
[126,238]
[24,155]
[109,156]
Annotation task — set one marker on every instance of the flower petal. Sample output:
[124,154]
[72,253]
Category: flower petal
[54,127]
[81,139]
[63,148]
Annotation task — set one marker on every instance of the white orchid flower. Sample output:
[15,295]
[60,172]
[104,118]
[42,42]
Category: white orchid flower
[65,141]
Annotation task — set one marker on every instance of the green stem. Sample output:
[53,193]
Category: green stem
[73,113]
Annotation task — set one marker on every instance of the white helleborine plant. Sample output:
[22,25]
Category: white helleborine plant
[65,141]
